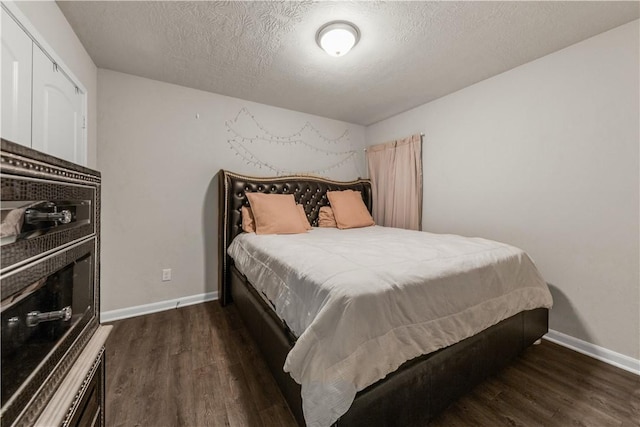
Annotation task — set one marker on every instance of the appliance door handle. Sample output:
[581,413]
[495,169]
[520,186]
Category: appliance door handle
[32,216]
[36,317]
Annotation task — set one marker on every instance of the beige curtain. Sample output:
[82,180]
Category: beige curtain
[395,169]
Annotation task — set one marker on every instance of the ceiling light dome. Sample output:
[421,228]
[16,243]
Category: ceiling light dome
[337,37]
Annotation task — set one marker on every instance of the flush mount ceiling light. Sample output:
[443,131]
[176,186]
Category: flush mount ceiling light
[337,37]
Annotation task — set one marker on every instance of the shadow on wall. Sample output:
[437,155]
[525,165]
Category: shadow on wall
[210,230]
[564,318]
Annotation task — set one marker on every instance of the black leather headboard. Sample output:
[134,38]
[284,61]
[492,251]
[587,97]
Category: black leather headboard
[311,192]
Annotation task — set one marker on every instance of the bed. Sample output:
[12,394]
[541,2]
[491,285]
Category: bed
[419,388]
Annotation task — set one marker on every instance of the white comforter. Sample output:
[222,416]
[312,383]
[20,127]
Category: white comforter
[364,301]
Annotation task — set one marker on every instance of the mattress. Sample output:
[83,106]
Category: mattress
[364,301]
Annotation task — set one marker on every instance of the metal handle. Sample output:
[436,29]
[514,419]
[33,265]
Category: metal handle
[32,216]
[35,317]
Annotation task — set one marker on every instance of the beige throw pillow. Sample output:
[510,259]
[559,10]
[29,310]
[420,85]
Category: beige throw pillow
[326,218]
[303,217]
[249,225]
[248,222]
[275,214]
[349,209]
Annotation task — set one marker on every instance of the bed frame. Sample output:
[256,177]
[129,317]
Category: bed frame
[416,392]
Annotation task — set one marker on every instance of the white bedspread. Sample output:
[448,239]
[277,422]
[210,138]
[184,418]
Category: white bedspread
[364,301]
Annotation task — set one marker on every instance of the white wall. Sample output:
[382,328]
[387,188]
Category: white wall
[49,21]
[158,161]
[545,157]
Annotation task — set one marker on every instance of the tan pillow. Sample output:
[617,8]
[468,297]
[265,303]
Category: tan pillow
[303,216]
[326,218]
[248,222]
[275,213]
[349,209]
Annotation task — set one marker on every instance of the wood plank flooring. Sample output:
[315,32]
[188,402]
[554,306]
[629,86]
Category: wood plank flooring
[197,366]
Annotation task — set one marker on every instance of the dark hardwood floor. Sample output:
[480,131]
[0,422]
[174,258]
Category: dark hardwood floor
[197,366]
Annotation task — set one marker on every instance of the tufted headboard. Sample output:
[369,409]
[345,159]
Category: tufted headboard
[311,192]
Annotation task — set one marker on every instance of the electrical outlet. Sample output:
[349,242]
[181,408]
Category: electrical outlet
[166,274]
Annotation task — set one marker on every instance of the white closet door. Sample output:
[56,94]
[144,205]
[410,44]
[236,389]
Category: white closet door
[15,88]
[57,111]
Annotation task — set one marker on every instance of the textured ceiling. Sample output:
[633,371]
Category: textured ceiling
[409,53]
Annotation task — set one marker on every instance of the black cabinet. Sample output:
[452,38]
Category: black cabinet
[52,342]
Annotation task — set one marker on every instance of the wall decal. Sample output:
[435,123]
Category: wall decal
[286,154]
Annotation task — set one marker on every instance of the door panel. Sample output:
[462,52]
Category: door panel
[16,82]
[57,111]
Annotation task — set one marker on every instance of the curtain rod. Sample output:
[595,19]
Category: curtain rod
[421,134]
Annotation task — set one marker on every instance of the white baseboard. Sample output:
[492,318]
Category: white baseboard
[605,355]
[154,307]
